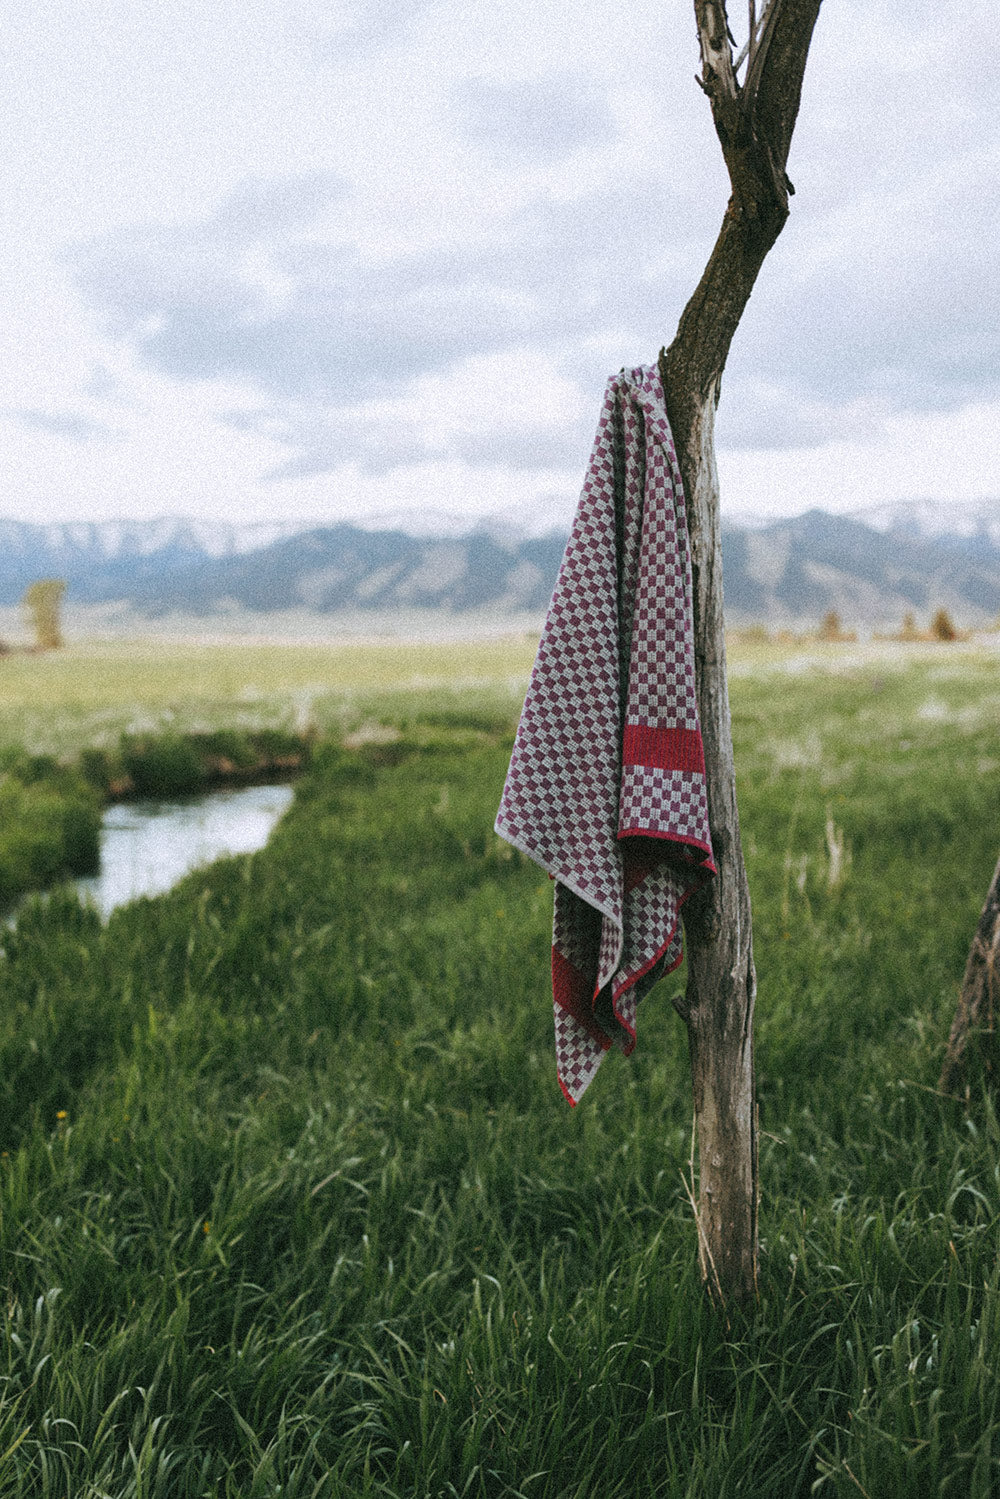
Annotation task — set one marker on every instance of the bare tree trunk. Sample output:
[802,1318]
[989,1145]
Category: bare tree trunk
[973,1031]
[754,122]
[719,1004]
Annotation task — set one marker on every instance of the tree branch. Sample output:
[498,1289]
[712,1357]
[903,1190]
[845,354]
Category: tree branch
[780,62]
[754,125]
[748,46]
[718,76]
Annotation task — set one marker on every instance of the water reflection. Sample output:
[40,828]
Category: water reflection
[146,847]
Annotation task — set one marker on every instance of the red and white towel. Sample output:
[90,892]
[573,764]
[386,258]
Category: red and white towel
[606,786]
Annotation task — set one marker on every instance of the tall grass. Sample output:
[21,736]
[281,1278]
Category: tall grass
[49,823]
[292,1205]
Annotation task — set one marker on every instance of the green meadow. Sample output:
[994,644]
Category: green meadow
[291,1204]
[91,693]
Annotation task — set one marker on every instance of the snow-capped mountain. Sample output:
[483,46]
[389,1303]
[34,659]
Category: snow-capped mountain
[109,540]
[923,518]
[781,572]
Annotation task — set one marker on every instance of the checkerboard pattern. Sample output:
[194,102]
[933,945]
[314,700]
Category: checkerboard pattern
[606,787]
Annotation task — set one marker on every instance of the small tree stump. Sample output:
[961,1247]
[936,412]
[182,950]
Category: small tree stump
[973,1044]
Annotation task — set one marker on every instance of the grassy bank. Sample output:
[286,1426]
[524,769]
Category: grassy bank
[291,1203]
[50,810]
[50,817]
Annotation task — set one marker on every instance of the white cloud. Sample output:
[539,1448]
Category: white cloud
[358,251]
[949,457]
[536,119]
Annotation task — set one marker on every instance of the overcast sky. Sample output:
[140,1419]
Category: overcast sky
[324,259]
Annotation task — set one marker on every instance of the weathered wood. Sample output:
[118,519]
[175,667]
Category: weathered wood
[754,122]
[973,1042]
[721,987]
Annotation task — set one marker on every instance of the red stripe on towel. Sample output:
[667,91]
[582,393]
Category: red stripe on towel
[667,749]
[572,991]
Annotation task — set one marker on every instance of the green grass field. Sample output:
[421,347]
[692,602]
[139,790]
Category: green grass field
[290,1201]
[92,693]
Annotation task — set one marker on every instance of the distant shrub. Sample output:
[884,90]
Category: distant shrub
[943,627]
[754,635]
[163,766]
[831,628]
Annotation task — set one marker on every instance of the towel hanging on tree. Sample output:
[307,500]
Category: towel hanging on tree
[606,786]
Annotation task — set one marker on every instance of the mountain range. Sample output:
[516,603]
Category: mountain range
[784,572]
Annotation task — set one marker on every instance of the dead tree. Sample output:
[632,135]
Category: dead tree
[754,118]
[973,1043]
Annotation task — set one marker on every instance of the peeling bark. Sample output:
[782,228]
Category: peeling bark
[754,122]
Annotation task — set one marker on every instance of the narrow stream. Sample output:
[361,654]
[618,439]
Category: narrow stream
[147,846]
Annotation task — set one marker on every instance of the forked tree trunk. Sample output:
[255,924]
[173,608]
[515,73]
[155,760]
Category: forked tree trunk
[973,1047]
[754,121]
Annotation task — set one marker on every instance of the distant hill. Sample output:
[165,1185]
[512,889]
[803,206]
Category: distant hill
[164,567]
[798,569]
[787,572]
[102,560]
[343,567]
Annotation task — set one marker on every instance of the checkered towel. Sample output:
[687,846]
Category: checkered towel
[606,786]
